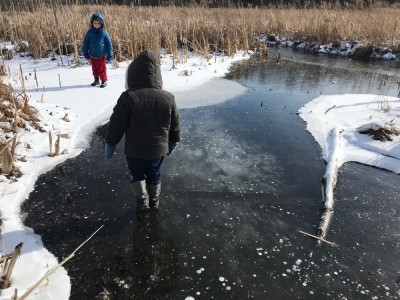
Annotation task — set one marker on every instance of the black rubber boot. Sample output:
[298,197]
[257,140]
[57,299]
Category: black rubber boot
[96,81]
[103,84]
[142,199]
[154,194]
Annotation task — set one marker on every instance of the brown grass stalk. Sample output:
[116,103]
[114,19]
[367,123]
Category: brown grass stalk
[134,29]
[10,265]
[15,111]
[50,143]
[6,161]
[57,146]
[22,77]
[54,269]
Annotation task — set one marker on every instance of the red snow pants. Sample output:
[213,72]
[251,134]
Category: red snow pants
[99,67]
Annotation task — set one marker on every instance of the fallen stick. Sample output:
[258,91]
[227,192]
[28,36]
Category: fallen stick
[5,146]
[330,108]
[325,223]
[52,271]
[10,266]
[6,256]
[318,238]
[329,181]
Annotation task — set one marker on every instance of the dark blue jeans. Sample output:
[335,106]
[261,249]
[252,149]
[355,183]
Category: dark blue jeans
[145,169]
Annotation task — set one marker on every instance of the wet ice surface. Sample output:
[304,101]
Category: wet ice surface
[235,193]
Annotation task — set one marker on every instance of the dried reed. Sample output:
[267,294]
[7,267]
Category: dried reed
[54,269]
[6,160]
[48,28]
[9,263]
[15,113]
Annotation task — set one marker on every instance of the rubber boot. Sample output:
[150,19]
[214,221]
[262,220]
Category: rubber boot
[142,199]
[96,81]
[154,194]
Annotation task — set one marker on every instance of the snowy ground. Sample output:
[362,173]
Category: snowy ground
[336,121]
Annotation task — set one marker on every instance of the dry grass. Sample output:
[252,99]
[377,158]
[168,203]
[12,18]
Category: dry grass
[133,29]
[15,114]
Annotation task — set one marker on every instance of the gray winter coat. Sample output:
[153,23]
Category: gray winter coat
[145,113]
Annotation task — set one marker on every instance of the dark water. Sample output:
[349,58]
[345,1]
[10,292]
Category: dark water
[245,179]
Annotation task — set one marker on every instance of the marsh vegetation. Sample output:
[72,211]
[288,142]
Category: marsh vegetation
[44,29]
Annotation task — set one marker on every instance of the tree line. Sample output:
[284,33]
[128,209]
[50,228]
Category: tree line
[17,5]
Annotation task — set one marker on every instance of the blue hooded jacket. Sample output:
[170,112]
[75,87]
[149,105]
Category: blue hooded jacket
[97,42]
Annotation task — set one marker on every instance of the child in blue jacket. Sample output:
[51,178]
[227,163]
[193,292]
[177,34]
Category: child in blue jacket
[97,48]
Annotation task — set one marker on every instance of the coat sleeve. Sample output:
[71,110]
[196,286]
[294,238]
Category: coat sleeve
[119,121]
[85,44]
[174,130]
[107,41]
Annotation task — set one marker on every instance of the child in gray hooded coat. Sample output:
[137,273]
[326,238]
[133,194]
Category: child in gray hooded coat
[148,117]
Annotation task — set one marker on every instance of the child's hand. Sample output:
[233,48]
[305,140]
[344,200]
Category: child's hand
[87,57]
[171,148]
[109,58]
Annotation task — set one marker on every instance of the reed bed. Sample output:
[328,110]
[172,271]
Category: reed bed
[15,114]
[133,28]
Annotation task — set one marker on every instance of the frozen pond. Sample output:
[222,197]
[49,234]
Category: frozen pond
[245,179]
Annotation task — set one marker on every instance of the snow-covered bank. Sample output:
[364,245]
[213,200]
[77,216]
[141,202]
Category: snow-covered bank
[334,117]
[354,49]
[352,113]
[63,93]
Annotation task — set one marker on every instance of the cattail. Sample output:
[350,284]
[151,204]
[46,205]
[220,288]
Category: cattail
[22,77]
[37,84]
[26,108]
[50,144]
[57,146]
[13,146]
[6,161]
[66,117]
